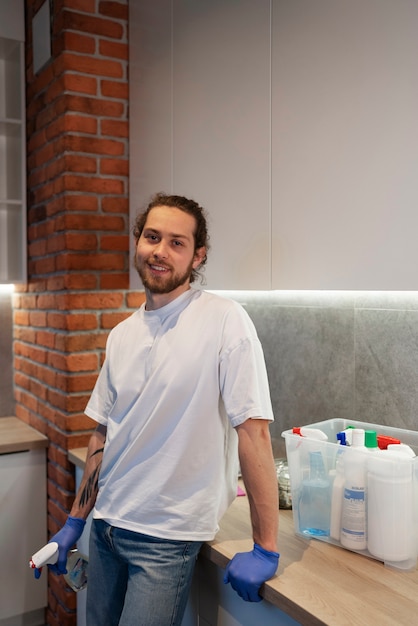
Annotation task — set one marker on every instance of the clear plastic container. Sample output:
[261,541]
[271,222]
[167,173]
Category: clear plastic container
[390,490]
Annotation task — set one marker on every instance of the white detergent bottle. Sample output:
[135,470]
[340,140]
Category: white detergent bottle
[353,517]
[401,448]
[391,509]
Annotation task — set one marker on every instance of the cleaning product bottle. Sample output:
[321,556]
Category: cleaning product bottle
[342,438]
[314,499]
[349,434]
[391,508]
[401,448]
[370,440]
[310,433]
[384,440]
[353,518]
[77,564]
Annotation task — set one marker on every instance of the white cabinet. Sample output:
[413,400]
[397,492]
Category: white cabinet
[344,144]
[200,124]
[221,132]
[12,146]
[294,122]
[22,531]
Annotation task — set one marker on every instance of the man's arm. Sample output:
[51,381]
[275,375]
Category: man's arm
[259,475]
[247,571]
[84,501]
[87,492]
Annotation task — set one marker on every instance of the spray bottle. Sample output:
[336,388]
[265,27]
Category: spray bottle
[77,564]
[314,499]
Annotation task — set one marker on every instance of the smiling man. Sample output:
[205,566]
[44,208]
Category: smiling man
[181,401]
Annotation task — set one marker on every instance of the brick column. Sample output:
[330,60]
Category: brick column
[78,237]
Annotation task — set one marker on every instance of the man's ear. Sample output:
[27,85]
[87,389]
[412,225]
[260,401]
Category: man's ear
[199,256]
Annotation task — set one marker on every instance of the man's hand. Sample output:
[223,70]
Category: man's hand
[69,534]
[247,571]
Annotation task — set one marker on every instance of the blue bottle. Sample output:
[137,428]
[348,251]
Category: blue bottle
[314,506]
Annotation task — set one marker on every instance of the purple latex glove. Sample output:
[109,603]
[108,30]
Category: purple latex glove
[247,571]
[69,534]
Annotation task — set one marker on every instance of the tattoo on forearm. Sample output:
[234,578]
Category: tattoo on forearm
[91,486]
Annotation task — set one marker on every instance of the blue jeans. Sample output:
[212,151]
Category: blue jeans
[137,580]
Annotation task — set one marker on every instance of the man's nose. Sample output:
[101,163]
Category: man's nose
[160,250]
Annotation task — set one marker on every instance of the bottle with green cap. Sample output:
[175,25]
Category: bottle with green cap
[370,440]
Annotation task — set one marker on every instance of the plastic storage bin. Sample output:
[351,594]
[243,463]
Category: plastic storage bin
[361,499]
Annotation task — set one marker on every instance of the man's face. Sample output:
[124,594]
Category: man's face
[165,254]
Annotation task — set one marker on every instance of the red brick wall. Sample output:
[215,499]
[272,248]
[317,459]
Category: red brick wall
[78,237]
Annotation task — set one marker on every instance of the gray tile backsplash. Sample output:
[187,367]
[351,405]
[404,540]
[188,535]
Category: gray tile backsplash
[350,355]
[386,352]
[310,359]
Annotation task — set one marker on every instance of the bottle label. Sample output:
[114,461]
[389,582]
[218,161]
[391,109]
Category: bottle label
[354,494]
[354,513]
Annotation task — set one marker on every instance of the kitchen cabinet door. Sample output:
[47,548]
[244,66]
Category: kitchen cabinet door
[200,124]
[344,144]
[150,105]
[23,531]
[221,125]
[294,122]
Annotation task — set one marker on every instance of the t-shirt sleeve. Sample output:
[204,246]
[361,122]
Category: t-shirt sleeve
[103,395]
[243,374]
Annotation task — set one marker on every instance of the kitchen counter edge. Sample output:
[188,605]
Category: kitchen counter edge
[17,436]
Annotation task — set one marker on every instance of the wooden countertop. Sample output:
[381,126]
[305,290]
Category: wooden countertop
[17,436]
[316,583]
[78,456]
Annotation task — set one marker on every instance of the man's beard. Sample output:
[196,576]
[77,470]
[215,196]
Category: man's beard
[161,284]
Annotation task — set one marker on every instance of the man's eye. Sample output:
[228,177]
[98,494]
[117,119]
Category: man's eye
[178,243]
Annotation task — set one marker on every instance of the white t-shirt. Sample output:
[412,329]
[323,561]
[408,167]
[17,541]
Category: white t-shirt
[175,383]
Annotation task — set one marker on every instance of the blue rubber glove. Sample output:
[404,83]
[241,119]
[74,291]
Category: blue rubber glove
[247,571]
[69,534]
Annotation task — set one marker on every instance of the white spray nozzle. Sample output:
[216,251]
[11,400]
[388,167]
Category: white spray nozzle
[313,433]
[46,555]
